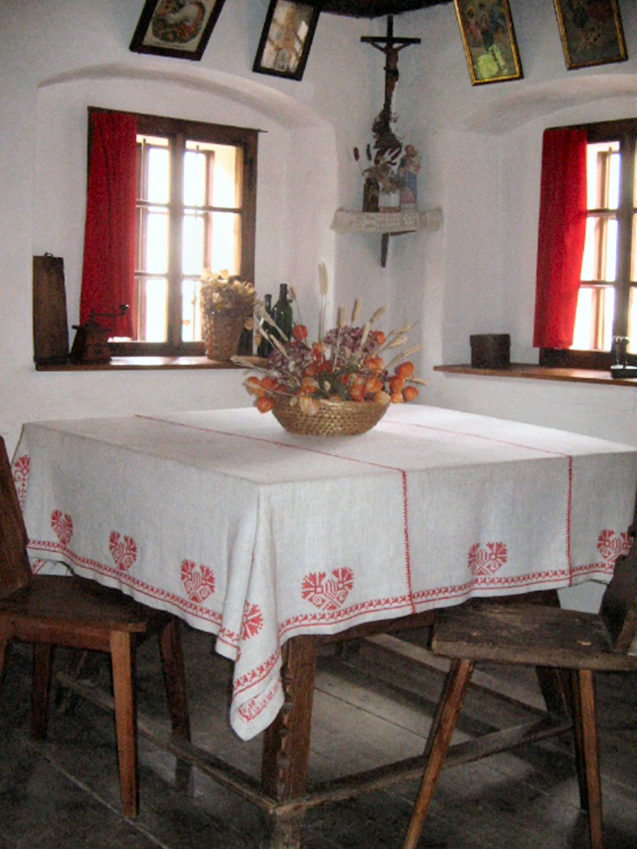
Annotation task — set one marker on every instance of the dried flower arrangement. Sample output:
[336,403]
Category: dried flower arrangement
[383,167]
[221,293]
[227,304]
[345,364]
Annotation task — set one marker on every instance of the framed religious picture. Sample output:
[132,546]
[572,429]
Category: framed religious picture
[489,40]
[179,28]
[286,38]
[591,32]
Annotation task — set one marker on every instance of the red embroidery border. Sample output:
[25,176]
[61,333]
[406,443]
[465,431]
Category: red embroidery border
[126,579]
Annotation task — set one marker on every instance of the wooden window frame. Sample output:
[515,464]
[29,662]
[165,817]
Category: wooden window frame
[625,132]
[181,131]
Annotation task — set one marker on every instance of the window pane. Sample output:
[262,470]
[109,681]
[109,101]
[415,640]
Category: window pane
[606,318]
[612,201]
[191,323]
[590,257]
[156,254]
[193,244]
[218,187]
[602,178]
[583,336]
[632,320]
[225,241]
[158,183]
[633,251]
[594,318]
[194,179]
[599,261]
[225,188]
[609,267]
[153,309]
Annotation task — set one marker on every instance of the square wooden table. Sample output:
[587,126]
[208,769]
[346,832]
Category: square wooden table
[274,542]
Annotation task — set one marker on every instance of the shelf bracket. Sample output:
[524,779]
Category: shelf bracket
[384,244]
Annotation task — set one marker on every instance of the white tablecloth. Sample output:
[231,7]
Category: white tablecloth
[257,535]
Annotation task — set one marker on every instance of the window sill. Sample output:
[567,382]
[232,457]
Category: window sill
[534,372]
[144,364]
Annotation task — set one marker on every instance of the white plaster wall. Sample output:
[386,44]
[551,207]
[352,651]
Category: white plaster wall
[56,59]
[480,163]
[482,148]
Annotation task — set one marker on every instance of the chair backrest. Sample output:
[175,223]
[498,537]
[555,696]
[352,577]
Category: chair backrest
[619,604]
[15,571]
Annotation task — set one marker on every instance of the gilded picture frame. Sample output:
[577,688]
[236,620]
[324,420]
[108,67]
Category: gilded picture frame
[489,40]
[591,32]
[286,38]
[179,28]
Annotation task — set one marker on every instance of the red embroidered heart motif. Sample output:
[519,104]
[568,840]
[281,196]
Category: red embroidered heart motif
[328,593]
[488,559]
[21,468]
[612,544]
[62,524]
[198,583]
[252,621]
[123,550]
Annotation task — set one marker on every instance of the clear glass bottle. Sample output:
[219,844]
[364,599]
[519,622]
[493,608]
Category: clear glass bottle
[265,347]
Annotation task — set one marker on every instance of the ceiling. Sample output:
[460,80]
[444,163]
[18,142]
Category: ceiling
[376,8]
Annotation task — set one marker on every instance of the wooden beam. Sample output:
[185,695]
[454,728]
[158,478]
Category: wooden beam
[385,776]
[376,8]
[421,656]
[219,770]
[335,790]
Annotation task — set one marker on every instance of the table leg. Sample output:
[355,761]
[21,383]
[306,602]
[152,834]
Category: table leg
[286,748]
[554,684]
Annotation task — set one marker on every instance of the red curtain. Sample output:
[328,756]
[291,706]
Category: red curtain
[562,229]
[108,274]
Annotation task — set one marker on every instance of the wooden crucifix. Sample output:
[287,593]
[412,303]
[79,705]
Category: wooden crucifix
[391,47]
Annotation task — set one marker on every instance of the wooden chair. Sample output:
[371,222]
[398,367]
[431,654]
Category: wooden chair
[541,636]
[74,612]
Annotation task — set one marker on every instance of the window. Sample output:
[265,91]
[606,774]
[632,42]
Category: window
[607,298]
[196,206]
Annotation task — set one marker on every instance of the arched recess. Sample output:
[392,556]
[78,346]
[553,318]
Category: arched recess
[297,180]
[544,99]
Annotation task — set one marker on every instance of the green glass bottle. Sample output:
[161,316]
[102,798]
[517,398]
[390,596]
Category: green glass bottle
[265,347]
[282,311]
[245,342]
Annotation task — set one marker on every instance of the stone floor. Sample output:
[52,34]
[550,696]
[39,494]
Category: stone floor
[369,709]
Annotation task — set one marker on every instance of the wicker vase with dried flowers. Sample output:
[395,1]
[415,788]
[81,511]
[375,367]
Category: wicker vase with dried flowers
[340,384]
[227,303]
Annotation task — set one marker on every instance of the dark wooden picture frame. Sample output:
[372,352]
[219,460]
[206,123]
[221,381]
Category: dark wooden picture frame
[489,40]
[286,38]
[179,28]
[590,36]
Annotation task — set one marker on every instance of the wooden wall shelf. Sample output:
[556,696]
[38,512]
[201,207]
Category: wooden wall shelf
[536,372]
[386,224]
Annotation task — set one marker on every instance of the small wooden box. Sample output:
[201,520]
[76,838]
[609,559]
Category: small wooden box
[490,350]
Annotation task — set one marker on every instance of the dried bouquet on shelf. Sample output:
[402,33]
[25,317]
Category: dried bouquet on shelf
[227,303]
[382,168]
[221,293]
[350,364]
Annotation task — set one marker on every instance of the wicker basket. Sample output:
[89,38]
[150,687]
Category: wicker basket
[221,334]
[333,419]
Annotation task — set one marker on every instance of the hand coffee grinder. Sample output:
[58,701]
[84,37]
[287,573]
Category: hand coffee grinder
[90,346]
